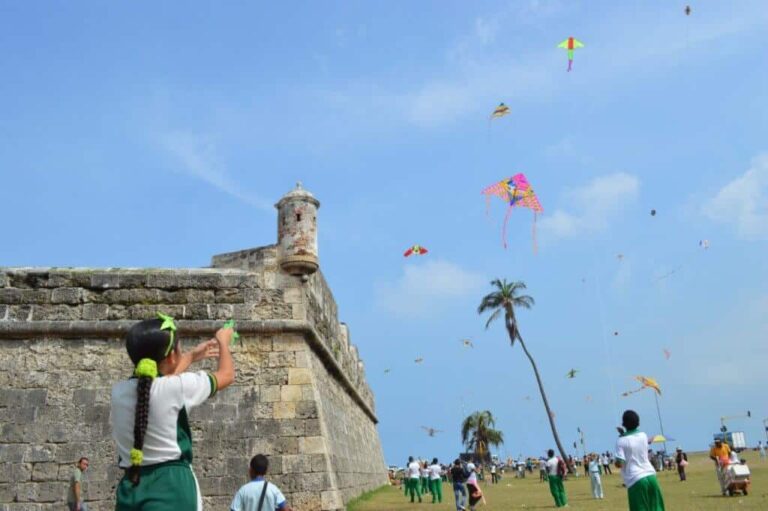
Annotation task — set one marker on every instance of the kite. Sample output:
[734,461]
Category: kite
[518,193]
[687,10]
[231,324]
[419,360]
[527,398]
[615,333]
[704,244]
[386,371]
[620,257]
[653,212]
[415,250]
[667,353]
[572,373]
[570,44]
[431,431]
[588,399]
[646,383]
[467,343]
[500,111]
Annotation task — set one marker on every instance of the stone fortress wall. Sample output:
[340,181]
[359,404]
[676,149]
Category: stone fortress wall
[300,395]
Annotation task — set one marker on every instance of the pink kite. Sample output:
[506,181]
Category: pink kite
[518,193]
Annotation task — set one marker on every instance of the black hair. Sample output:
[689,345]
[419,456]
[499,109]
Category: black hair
[81,460]
[551,453]
[630,420]
[144,340]
[434,461]
[410,459]
[457,461]
[259,465]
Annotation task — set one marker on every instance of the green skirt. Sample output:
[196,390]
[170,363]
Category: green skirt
[169,486]
[645,495]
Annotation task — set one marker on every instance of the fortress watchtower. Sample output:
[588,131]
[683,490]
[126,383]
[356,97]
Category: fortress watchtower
[297,232]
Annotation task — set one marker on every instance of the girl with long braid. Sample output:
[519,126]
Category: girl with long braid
[149,415]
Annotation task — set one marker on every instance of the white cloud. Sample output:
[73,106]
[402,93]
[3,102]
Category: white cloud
[594,204]
[197,156]
[743,202]
[426,288]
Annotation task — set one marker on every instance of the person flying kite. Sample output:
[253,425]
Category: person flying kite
[415,250]
[518,193]
[570,44]
[645,383]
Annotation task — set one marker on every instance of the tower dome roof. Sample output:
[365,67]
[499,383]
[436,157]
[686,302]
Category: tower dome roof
[298,193]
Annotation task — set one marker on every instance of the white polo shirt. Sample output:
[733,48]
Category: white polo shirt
[414,470]
[552,465]
[632,450]
[167,397]
[435,471]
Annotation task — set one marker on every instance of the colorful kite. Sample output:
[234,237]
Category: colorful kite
[500,111]
[415,250]
[518,193]
[572,373]
[431,431]
[570,44]
[645,383]
[467,343]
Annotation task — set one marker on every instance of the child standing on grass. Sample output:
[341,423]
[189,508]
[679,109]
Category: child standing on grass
[149,415]
[594,476]
[436,481]
[639,475]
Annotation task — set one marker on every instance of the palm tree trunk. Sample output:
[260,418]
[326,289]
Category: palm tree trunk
[513,332]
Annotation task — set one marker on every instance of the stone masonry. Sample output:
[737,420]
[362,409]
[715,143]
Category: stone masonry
[300,394]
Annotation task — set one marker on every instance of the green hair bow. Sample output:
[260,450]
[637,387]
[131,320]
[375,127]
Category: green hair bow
[168,324]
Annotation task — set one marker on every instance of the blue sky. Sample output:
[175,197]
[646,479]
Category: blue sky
[159,134]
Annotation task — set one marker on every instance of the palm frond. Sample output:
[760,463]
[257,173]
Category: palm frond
[493,317]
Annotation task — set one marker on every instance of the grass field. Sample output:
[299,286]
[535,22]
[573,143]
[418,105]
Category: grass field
[700,493]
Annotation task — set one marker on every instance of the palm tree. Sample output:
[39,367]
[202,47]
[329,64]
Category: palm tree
[478,435]
[504,300]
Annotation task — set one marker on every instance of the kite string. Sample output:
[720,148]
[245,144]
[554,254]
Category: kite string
[606,349]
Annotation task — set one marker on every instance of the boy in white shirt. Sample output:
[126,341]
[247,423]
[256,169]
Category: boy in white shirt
[555,473]
[259,495]
[639,475]
[414,475]
[436,481]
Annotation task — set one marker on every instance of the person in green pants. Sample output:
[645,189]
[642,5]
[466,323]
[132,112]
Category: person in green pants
[436,481]
[555,473]
[414,476]
[425,486]
[639,475]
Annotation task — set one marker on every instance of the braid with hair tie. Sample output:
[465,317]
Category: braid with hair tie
[146,371]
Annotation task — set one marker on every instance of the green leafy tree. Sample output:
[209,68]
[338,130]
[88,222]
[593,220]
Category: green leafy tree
[503,301]
[478,435]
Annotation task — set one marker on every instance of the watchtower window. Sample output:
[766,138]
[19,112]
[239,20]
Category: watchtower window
[298,217]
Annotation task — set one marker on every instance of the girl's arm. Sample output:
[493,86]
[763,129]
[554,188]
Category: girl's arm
[207,349]
[225,372]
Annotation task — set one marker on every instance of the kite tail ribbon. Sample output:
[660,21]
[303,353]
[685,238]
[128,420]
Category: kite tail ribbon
[504,228]
[533,234]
